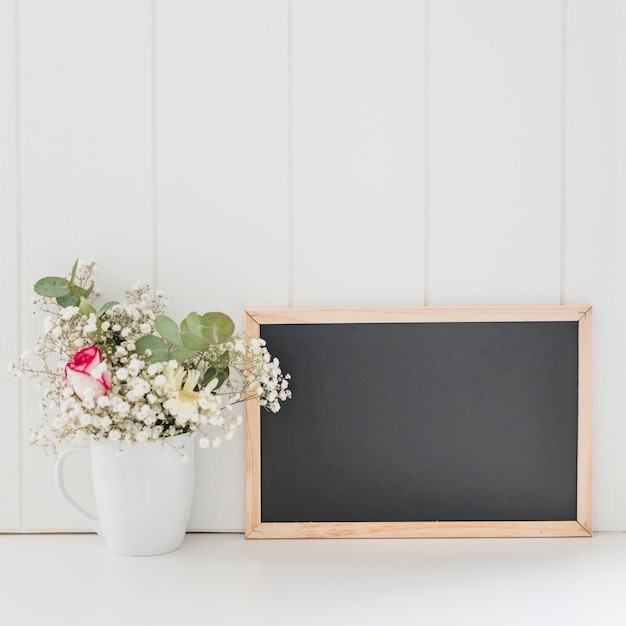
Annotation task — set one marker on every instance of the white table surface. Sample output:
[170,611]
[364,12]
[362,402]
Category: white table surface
[223,579]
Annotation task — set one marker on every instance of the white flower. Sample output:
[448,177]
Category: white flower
[115,435]
[122,408]
[134,366]
[204,442]
[182,401]
[91,325]
[121,374]
[69,312]
[137,389]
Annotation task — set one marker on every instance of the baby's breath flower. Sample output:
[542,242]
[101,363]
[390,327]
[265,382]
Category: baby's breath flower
[69,312]
[153,369]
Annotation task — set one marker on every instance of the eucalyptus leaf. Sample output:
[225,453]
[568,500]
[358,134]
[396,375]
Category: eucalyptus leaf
[105,307]
[211,327]
[84,292]
[190,341]
[52,287]
[73,274]
[69,299]
[168,329]
[157,347]
[193,323]
[180,354]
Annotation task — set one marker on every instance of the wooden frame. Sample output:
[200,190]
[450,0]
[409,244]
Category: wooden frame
[582,526]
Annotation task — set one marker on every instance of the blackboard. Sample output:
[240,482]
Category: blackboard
[424,422]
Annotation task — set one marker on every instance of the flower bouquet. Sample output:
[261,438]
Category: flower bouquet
[124,371]
[121,378]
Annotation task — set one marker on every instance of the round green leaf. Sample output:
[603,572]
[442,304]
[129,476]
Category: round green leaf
[168,329]
[157,347]
[191,341]
[211,327]
[52,287]
[180,354]
[69,299]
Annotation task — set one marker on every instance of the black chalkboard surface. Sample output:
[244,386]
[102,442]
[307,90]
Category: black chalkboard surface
[424,422]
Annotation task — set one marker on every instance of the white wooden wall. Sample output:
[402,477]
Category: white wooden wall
[243,154]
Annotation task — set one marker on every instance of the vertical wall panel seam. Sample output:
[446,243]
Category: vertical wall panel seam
[290,153]
[155,150]
[563,242]
[427,153]
[19,212]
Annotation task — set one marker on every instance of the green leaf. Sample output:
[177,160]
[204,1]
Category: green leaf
[193,323]
[222,326]
[168,329]
[52,287]
[68,299]
[85,308]
[211,373]
[105,307]
[84,292]
[73,275]
[211,327]
[180,354]
[157,347]
[190,341]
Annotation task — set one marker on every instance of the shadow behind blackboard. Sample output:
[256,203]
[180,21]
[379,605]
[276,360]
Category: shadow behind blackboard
[458,421]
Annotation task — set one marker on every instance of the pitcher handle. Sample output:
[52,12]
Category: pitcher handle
[94,522]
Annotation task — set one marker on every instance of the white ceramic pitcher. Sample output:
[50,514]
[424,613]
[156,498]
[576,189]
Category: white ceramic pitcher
[143,494]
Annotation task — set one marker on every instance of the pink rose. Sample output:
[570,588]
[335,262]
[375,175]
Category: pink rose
[87,371]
